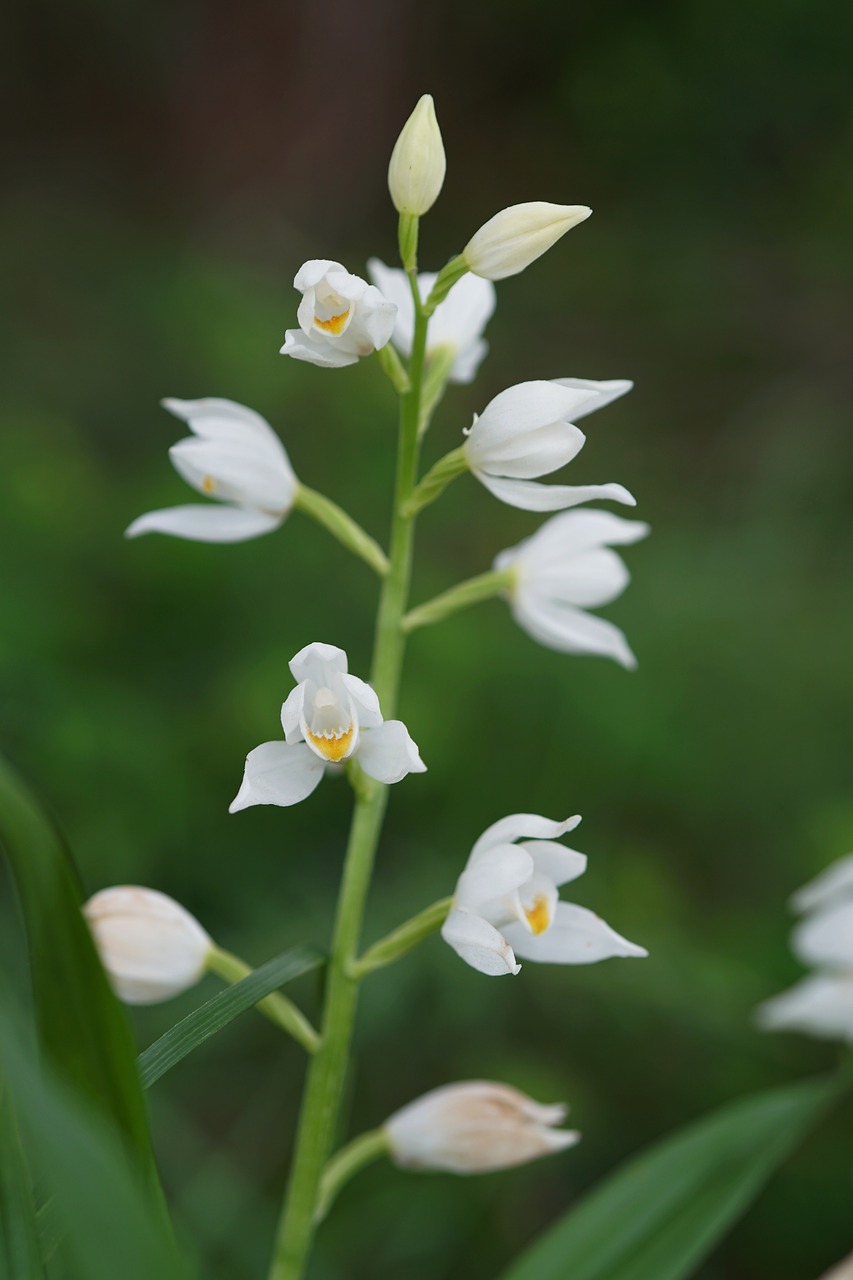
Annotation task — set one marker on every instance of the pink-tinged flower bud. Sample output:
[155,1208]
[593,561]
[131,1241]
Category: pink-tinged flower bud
[417,168]
[517,236]
[475,1126]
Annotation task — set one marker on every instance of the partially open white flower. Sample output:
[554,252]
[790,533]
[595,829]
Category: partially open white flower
[329,717]
[517,236]
[528,431]
[235,457]
[456,324]
[341,317]
[507,902]
[475,1126]
[418,165]
[565,568]
[151,948]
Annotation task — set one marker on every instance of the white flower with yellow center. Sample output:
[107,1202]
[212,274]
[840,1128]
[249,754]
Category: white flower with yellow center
[506,902]
[457,323]
[528,431]
[565,568]
[341,317]
[235,457]
[328,718]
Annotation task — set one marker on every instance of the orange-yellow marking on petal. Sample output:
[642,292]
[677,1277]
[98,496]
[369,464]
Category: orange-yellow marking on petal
[334,746]
[208,484]
[538,917]
[334,324]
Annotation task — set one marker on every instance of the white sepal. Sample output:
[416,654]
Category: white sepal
[516,236]
[832,885]
[341,317]
[418,165]
[825,938]
[820,1005]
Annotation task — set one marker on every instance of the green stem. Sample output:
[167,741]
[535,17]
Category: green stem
[326,1075]
[276,1007]
[401,940]
[346,1163]
[437,479]
[473,591]
[341,526]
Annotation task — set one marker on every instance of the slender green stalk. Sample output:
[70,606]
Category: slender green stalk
[346,1163]
[401,940]
[276,1007]
[326,1075]
[437,479]
[473,591]
[341,526]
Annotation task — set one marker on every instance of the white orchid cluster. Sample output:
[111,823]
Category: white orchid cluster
[426,331]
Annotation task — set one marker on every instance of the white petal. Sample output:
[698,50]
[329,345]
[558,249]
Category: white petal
[216,523]
[479,944]
[523,408]
[291,714]
[577,936]
[821,1005]
[215,419]
[281,773]
[366,701]
[235,473]
[491,877]
[394,286]
[572,532]
[387,753]
[585,581]
[528,495]
[522,825]
[526,455]
[460,319]
[315,350]
[318,662]
[834,883]
[469,360]
[598,394]
[826,938]
[555,861]
[312,272]
[569,630]
[378,316]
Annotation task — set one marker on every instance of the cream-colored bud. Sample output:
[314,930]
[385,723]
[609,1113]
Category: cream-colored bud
[474,1127]
[517,236]
[150,946]
[417,168]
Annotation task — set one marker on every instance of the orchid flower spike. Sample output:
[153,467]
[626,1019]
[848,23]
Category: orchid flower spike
[565,568]
[235,457]
[528,431]
[506,902]
[151,948]
[517,236]
[456,325]
[329,717]
[475,1126]
[341,317]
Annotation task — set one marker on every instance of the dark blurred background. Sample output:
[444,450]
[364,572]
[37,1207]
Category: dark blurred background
[170,167]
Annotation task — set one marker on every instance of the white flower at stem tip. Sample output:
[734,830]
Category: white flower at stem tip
[418,165]
[235,457]
[151,948]
[528,431]
[507,902]
[341,317]
[475,1126]
[456,324]
[328,718]
[517,236]
[565,568]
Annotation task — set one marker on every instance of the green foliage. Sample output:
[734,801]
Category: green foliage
[659,1215]
[20,1251]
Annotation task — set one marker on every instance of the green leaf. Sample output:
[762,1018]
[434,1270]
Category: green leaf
[662,1213]
[83,1031]
[203,1023]
[100,1203]
[20,1251]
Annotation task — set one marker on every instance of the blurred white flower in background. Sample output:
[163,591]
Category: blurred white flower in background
[341,317]
[151,948]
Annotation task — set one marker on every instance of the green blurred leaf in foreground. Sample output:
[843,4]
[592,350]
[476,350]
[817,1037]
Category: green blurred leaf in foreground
[20,1252]
[661,1214]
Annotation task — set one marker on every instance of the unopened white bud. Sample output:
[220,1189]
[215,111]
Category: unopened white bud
[417,168]
[517,236]
[150,947]
[475,1126]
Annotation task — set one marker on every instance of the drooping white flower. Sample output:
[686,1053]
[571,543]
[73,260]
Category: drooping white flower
[565,568]
[475,1126]
[457,323]
[151,948]
[341,317]
[517,236]
[329,717]
[235,457]
[507,902]
[528,431]
[418,165]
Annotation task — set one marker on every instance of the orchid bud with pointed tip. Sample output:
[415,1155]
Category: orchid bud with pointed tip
[417,167]
[517,236]
[475,1126]
[151,948]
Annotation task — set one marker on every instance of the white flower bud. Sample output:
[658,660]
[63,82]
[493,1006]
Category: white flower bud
[475,1126]
[417,167]
[150,946]
[517,236]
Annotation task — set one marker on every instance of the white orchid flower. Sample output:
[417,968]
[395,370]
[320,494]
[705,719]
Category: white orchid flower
[457,323]
[528,431]
[151,948]
[234,456]
[565,568]
[506,902]
[476,1126]
[329,717]
[341,317]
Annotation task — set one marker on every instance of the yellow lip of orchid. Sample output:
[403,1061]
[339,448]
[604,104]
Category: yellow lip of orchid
[334,746]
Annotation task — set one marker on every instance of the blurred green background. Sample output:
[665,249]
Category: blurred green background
[171,167]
